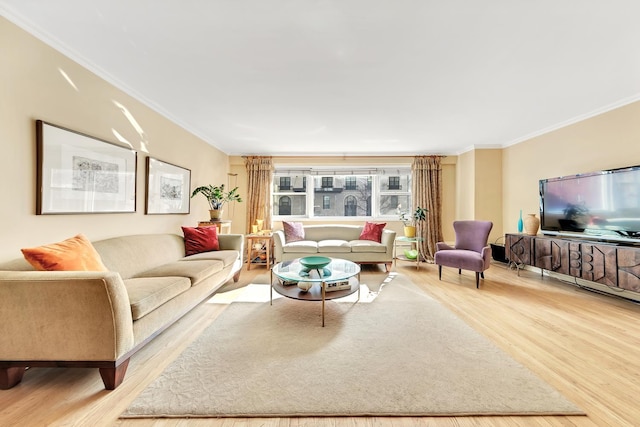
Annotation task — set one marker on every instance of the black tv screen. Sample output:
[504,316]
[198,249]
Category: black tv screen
[604,204]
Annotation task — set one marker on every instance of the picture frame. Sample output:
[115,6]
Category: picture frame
[81,174]
[167,188]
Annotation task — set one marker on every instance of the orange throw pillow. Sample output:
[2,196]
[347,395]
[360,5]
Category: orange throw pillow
[74,254]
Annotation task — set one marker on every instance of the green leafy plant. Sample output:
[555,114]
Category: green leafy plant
[411,218]
[216,196]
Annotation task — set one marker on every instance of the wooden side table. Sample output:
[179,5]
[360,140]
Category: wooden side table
[224,225]
[259,250]
[410,242]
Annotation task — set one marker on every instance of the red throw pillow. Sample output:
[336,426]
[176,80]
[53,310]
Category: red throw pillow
[73,254]
[293,231]
[200,239]
[372,231]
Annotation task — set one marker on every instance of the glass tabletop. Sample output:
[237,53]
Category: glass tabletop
[337,269]
[409,239]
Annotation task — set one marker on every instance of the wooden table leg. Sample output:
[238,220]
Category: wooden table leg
[323,284]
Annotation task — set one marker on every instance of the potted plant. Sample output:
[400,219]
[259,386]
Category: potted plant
[409,219]
[217,197]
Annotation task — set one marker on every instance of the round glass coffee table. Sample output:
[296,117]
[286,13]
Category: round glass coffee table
[336,280]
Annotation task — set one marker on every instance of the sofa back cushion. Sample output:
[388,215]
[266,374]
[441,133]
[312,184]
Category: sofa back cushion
[132,255]
[332,232]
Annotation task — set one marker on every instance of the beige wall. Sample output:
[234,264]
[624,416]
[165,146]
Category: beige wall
[609,140]
[33,87]
[479,188]
[465,185]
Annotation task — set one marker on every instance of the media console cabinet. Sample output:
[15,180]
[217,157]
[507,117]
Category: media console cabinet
[615,266]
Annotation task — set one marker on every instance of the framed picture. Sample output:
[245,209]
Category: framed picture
[167,188]
[78,174]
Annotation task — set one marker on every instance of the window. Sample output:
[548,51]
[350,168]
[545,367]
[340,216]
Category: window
[285,183]
[284,205]
[338,193]
[289,195]
[350,183]
[350,206]
[394,183]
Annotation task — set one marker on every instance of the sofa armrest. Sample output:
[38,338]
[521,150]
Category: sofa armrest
[278,244]
[82,316]
[231,242]
[388,238]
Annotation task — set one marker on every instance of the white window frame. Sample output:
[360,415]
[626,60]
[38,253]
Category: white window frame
[377,174]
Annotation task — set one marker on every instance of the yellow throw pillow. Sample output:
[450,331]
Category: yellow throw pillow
[74,254]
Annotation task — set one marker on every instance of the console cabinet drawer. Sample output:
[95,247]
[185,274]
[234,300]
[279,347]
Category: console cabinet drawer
[629,269]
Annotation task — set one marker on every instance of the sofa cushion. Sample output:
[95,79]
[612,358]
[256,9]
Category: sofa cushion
[73,254]
[133,254]
[228,257]
[303,246]
[372,231]
[293,231]
[200,239]
[337,246]
[367,246]
[147,294]
[196,270]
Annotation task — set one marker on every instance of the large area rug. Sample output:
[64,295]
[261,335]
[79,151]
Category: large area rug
[398,353]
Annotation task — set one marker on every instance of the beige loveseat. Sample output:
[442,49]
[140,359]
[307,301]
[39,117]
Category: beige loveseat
[336,241]
[100,319]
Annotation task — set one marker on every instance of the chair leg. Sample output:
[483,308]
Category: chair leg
[478,280]
[439,272]
[482,274]
[459,271]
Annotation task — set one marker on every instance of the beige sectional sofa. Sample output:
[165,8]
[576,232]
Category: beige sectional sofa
[100,319]
[336,241]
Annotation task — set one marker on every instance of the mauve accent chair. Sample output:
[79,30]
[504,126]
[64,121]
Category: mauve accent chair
[471,251]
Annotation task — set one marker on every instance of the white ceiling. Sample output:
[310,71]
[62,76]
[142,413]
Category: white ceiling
[354,77]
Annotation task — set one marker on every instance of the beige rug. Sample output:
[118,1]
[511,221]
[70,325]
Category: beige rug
[398,354]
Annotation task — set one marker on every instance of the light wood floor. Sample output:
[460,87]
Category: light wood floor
[585,345]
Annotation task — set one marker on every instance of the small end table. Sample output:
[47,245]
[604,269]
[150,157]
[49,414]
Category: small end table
[403,241]
[261,253]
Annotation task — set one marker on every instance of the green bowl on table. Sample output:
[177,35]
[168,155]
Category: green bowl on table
[315,262]
[411,253]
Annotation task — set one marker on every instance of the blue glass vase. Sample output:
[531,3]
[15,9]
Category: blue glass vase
[520,223]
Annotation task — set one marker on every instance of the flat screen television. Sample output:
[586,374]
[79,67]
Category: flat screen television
[604,205]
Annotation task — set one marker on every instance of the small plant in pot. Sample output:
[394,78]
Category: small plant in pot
[217,197]
[410,219]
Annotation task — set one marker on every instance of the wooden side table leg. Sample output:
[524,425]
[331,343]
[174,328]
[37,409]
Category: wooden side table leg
[249,243]
[323,284]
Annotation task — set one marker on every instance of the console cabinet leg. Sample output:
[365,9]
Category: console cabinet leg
[11,376]
[113,377]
